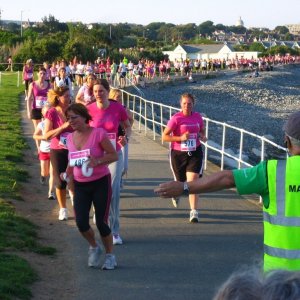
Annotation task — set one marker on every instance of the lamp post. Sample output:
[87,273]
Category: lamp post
[22,22]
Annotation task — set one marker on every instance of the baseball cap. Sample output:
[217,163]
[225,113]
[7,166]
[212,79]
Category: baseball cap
[292,126]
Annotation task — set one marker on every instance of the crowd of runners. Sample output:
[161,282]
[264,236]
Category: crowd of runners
[82,144]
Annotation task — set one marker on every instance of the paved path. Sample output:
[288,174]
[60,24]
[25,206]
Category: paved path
[163,255]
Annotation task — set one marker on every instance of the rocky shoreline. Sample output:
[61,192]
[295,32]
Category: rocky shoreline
[256,104]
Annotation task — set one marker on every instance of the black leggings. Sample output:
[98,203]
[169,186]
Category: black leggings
[97,192]
[59,161]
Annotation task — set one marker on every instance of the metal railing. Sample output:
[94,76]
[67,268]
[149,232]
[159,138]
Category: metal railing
[153,117]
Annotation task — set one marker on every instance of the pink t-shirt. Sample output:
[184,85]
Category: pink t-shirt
[179,124]
[91,148]
[60,141]
[109,119]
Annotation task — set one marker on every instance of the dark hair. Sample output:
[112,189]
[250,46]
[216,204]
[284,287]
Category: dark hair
[42,69]
[81,110]
[103,82]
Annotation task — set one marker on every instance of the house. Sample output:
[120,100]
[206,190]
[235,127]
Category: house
[211,51]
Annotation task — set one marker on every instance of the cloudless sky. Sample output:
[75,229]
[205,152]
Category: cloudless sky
[254,13]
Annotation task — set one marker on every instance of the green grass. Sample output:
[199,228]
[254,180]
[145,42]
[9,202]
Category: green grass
[16,232]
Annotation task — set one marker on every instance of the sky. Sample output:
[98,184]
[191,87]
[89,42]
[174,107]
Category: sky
[254,13]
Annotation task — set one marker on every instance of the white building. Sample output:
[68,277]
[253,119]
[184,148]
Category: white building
[212,51]
[239,22]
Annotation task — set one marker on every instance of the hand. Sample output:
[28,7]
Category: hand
[122,140]
[93,162]
[169,189]
[185,136]
[203,139]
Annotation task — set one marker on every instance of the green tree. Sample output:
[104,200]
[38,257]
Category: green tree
[281,29]
[206,28]
[257,47]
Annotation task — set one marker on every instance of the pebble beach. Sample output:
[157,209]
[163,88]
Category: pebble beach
[257,104]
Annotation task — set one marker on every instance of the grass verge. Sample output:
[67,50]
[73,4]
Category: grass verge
[16,232]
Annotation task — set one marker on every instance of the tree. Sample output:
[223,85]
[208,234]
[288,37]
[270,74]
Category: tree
[51,24]
[257,47]
[206,28]
[281,29]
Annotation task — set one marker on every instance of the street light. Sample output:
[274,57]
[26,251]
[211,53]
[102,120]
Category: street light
[22,22]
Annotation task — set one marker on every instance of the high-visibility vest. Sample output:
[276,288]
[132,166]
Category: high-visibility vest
[282,216]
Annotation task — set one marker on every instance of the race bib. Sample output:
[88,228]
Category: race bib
[112,137]
[190,144]
[63,139]
[77,158]
[29,75]
[40,101]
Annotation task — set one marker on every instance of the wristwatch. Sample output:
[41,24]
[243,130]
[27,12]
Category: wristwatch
[186,190]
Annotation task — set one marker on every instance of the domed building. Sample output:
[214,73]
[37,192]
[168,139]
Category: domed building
[239,22]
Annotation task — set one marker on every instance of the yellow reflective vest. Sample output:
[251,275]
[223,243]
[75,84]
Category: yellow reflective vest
[282,216]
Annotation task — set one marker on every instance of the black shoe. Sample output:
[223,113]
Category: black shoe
[42,180]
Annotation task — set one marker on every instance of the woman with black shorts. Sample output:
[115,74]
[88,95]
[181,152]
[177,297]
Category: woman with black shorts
[184,131]
[57,128]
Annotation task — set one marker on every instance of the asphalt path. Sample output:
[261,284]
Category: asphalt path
[163,255]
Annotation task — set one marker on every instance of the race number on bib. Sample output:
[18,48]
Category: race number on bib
[40,101]
[77,158]
[190,144]
[112,137]
[63,139]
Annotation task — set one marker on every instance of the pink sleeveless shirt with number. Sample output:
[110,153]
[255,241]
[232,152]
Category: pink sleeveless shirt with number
[28,73]
[39,95]
[91,148]
[109,119]
[179,124]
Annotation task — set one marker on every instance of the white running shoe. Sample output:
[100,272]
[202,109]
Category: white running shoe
[63,214]
[94,256]
[117,239]
[94,218]
[194,216]
[175,201]
[110,262]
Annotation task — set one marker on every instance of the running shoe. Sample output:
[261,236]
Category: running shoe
[51,196]
[175,201]
[117,239]
[110,262]
[94,256]
[194,217]
[63,214]
[42,180]
[94,218]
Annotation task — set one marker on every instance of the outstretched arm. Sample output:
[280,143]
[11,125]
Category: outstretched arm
[215,182]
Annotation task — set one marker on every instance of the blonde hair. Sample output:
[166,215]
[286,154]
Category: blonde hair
[113,93]
[54,94]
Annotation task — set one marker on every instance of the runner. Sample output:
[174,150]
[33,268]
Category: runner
[109,115]
[44,154]
[57,129]
[184,130]
[27,75]
[90,151]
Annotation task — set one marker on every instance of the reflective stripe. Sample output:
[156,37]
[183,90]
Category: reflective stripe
[284,221]
[282,253]
[280,187]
